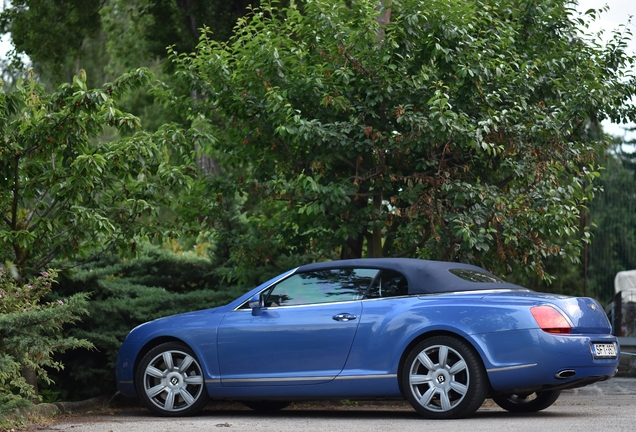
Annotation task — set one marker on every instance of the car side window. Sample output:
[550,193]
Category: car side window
[388,283]
[324,286]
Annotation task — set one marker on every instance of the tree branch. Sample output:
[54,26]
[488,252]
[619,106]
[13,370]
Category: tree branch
[411,249]
[45,260]
[54,217]
[16,193]
[37,201]
[296,161]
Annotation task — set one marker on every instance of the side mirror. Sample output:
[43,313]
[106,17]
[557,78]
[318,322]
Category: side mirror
[256,303]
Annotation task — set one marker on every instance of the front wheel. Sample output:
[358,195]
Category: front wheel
[443,377]
[527,402]
[170,382]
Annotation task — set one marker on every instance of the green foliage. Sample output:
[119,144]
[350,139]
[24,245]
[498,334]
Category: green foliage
[612,247]
[31,333]
[108,38]
[64,193]
[140,30]
[8,403]
[51,33]
[135,32]
[459,131]
[613,212]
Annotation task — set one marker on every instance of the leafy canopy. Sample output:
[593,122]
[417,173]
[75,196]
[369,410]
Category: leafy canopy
[51,33]
[457,133]
[65,193]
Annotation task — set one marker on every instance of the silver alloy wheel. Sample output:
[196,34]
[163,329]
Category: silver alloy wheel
[439,378]
[173,381]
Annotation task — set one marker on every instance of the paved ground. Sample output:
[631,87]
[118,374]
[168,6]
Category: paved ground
[608,406]
[614,386]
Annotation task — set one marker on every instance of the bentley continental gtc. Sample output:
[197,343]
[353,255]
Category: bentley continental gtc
[442,335]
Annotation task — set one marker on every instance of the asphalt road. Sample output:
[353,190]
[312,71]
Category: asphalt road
[608,406]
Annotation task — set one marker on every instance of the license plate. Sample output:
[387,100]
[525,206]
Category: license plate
[604,350]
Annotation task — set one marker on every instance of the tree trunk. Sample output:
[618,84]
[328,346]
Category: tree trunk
[352,248]
[206,165]
[32,379]
[376,238]
[384,18]
[375,246]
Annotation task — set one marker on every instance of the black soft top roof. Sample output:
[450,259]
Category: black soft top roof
[423,276]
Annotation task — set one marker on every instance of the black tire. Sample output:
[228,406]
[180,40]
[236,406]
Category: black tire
[444,378]
[170,382]
[266,405]
[527,402]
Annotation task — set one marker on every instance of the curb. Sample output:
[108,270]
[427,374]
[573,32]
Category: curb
[51,409]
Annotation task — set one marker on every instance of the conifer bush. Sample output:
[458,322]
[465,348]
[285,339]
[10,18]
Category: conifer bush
[31,333]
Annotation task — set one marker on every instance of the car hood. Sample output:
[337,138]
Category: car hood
[173,324]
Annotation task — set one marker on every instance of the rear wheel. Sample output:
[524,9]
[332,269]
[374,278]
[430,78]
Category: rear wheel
[170,382]
[527,402]
[266,405]
[443,377]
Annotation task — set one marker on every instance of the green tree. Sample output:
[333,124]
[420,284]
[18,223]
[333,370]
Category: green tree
[142,29]
[63,192]
[59,37]
[462,135]
[613,213]
[52,33]
[109,37]
[612,219]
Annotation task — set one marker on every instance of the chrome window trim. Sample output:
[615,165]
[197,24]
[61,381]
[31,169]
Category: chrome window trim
[301,306]
[390,298]
[472,292]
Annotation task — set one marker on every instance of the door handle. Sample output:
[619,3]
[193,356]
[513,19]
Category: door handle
[344,317]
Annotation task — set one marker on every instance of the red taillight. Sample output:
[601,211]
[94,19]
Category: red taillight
[550,320]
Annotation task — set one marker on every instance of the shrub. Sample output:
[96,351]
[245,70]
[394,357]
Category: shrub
[31,333]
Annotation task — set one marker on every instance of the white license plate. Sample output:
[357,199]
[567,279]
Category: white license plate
[604,350]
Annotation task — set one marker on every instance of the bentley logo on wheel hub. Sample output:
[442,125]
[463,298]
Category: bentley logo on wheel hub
[441,379]
[174,381]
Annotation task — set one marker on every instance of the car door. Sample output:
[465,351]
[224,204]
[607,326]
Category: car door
[303,334]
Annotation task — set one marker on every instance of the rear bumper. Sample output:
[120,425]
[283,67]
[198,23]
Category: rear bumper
[534,359]
[576,383]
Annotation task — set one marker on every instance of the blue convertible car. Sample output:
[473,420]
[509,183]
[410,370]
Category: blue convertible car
[442,335]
